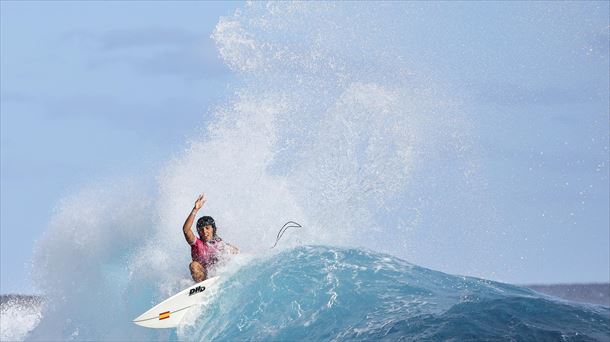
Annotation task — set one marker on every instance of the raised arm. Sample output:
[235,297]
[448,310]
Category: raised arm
[186,228]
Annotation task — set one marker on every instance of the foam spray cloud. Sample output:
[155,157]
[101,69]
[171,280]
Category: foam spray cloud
[356,124]
[327,126]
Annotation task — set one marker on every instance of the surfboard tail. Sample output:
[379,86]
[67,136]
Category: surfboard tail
[167,319]
[170,312]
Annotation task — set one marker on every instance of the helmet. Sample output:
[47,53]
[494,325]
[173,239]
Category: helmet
[205,221]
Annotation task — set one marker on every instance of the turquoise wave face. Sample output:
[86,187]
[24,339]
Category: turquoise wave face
[323,293]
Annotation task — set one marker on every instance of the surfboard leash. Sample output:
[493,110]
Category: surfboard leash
[289,224]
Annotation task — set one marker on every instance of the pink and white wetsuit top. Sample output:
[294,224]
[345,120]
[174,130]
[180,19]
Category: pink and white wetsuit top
[206,253]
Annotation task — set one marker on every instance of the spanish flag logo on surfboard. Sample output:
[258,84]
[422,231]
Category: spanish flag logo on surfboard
[170,312]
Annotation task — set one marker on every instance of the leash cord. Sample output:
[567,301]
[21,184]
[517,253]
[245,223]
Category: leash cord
[289,224]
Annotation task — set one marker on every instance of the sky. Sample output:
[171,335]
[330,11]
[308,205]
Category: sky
[93,90]
[90,90]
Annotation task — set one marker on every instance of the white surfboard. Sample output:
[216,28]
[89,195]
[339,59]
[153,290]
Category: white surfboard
[170,312]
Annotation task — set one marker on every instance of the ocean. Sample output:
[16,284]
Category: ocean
[322,293]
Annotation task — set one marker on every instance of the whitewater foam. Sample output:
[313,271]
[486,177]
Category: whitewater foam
[18,316]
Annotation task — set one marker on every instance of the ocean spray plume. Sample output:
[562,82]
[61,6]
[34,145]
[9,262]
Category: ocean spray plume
[82,260]
[327,127]
[358,127]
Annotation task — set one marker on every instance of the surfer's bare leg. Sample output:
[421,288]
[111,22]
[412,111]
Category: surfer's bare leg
[198,272]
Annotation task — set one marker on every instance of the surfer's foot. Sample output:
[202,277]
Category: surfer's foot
[198,272]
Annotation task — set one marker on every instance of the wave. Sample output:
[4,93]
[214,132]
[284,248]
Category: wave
[333,293]
[328,293]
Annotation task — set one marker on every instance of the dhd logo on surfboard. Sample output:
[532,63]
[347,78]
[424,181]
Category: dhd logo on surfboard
[197,289]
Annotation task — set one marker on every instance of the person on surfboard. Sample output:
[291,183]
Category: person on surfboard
[205,249]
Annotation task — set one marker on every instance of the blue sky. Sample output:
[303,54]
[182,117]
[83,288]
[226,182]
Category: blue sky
[92,90]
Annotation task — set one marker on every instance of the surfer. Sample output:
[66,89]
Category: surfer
[206,249]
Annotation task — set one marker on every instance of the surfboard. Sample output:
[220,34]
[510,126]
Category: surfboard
[170,312]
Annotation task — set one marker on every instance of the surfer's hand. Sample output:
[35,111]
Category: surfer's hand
[199,202]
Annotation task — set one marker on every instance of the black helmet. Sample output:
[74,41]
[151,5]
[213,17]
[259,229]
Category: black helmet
[205,221]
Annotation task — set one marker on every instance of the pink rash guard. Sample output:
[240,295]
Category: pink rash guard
[206,253]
